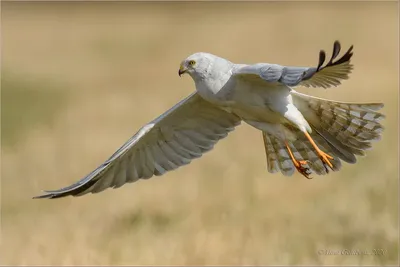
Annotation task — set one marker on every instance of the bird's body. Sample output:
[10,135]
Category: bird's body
[248,98]
[267,108]
[299,131]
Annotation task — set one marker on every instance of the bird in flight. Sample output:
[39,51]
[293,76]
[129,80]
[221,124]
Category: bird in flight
[300,132]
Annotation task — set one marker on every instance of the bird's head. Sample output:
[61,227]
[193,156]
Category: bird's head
[197,65]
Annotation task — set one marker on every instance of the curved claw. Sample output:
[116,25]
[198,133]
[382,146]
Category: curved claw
[304,170]
[299,164]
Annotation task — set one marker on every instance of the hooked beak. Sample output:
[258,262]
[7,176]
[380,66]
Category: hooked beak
[182,70]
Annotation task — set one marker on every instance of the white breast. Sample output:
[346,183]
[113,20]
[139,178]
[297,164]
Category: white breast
[216,90]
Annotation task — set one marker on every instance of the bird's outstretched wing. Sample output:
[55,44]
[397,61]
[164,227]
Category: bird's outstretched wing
[185,132]
[321,76]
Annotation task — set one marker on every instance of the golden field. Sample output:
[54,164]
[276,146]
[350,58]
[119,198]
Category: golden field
[78,79]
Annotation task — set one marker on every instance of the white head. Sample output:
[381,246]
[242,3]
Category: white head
[200,65]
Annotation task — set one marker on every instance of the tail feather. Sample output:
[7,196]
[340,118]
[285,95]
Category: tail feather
[284,161]
[349,127]
[343,130]
[272,157]
[278,158]
[340,143]
[317,165]
[309,155]
[364,129]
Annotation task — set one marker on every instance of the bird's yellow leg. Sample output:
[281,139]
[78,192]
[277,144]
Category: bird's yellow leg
[322,155]
[299,163]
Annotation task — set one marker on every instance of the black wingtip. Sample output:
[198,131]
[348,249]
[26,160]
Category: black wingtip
[350,49]
[336,50]
[321,60]
[45,195]
[346,57]
[72,190]
[40,197]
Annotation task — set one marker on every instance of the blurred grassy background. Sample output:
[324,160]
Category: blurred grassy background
[78,79]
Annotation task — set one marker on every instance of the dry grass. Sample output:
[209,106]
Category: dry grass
[78,81]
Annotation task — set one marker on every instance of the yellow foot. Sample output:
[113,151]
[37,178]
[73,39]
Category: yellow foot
[322,155]
[305,171]
[299,164]
[325,159]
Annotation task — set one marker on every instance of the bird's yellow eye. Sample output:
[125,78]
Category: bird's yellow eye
[192,62]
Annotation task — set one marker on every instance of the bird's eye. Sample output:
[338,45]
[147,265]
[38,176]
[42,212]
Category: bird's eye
[192,62]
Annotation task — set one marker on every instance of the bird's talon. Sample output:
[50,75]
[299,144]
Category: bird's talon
[304,170]
[301,165]
[326,168]
[325,159]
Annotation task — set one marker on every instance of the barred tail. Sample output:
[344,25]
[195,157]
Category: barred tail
[347,127]
[343,130]
[278,158]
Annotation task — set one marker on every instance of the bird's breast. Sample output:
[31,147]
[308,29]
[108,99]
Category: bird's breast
[215,90]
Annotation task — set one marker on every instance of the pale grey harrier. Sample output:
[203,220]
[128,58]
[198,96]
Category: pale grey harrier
[300,131]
